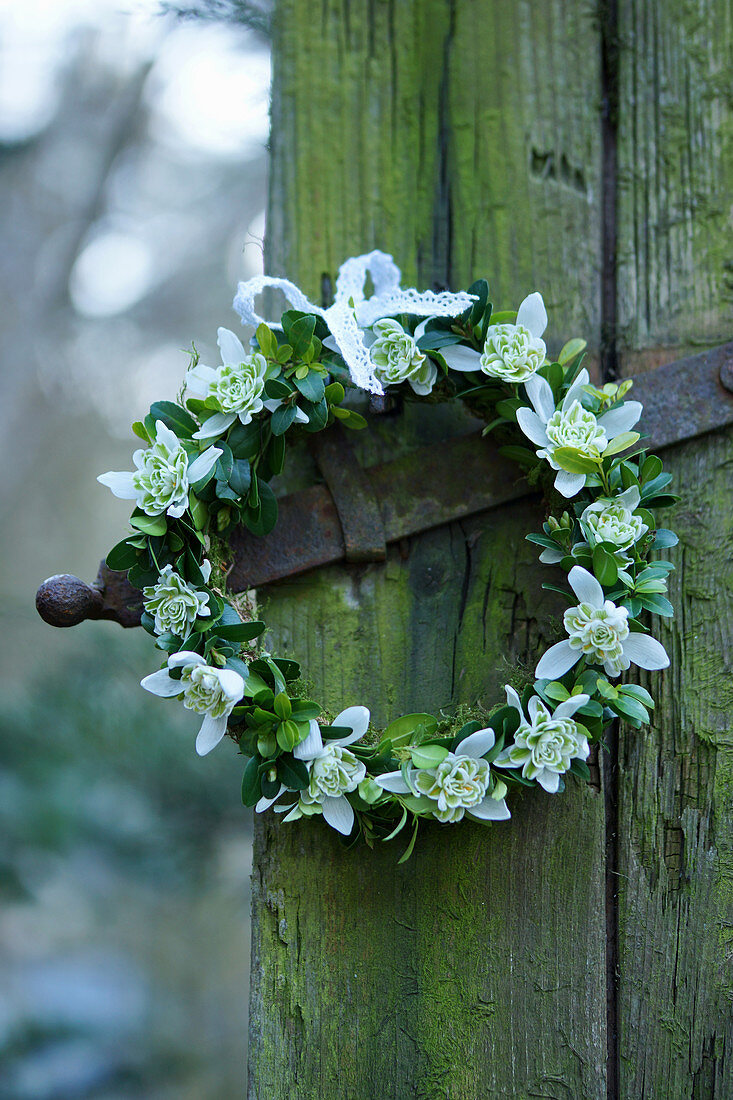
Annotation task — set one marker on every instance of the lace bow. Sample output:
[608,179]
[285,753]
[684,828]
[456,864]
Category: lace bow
[352,312]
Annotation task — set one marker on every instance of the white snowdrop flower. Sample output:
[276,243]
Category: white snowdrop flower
[333,773]
[237,386]
[163,475]
[545,743]
[598,630]
[511,352]
[571,425]
[213,692]
[613,521]
[457,785]
[397,358]
[174,603]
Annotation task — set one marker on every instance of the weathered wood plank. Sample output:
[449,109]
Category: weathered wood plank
[675,178]
[431,979]
[478,969]
[676,815]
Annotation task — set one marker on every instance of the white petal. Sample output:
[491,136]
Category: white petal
[230,346]
[476,744]
[175,511]
[211,732]
[491,809]
[272,403]
[420,330]
[312,745]
[200,466]
[166,436]
[568,708]
[339,814]
[539,391]
[300,416]
[461,358]
[215,425]
[160,683]
[185,657]
[232,683]
[120,484]
[503,760]
[331,344]
[621,419]
[205,568]
[556,662]
[575,393]
[512,698]
[198,380]
[645,651]
[549,780]
[393,781]
[532,314]
[551,557]
[629,498]
[265,803]
[569,485]
[532,426]
[357,719]
[585,586]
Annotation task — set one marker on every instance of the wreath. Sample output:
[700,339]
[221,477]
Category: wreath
[206,465]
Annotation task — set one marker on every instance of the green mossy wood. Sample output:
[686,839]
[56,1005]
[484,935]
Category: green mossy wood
[584,949]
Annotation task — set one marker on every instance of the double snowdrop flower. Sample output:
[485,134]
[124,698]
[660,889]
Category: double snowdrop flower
[333,773]
[176,604]
[546,743]
[213,692]
[512,352]
[571,425]
[163,475]
[457,785]
[599,631]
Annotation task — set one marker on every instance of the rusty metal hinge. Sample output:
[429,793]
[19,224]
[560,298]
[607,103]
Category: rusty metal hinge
[357,512]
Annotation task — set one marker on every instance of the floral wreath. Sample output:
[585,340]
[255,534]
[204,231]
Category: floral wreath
[206,466]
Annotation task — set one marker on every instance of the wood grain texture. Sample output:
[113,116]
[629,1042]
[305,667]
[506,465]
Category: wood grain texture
[477,969]
[676,815]
[675,178]
[460,136]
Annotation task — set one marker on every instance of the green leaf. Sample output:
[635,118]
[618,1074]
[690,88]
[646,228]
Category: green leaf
[293,773]
[335,393]
[276,454]
[122,556]
[571,351]
[300,334]
[575,461]
[604,567]
[244,439]
[262,520]
[251,782]
[632,709]
[651,468]
[428,756]
[240,477]
[557,691]
[175,418]
[637,692]
[240,632]
[408,850]
[287,735]
[254,684]
[621,443]
[277,389]
[282,418]
[659,605]
[282,706]
[149,525]
[402,729]
[304,710]
[139,429]
[664,538]
[350,419]
[311,386]
[476,311]
[266,340]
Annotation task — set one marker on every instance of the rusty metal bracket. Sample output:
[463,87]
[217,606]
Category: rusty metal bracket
[353,495]
[358,511]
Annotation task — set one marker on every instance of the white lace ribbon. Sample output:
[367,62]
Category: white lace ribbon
[351,311]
